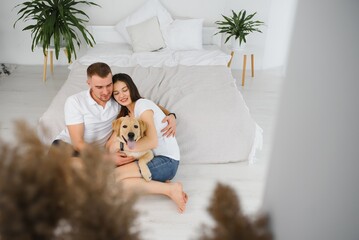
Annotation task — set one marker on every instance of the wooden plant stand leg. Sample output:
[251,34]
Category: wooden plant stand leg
[230,60]
[52,61]
[244,68]
[252,63]
[45,67]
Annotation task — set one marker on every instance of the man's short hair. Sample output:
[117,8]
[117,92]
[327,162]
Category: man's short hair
[100,69]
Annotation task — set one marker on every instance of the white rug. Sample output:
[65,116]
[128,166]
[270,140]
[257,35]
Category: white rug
[6,69]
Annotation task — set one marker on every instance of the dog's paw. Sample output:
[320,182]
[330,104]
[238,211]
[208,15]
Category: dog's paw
[146,174]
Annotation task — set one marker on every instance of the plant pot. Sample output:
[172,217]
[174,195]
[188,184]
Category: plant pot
[62,42]
[235,44]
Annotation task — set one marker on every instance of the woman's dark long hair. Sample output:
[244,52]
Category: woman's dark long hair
[134,94]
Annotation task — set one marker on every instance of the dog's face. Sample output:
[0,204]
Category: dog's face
[129,130]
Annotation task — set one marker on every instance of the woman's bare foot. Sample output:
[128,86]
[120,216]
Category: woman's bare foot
[185,197]
[178,196]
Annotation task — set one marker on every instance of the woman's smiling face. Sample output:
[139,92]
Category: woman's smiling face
[121,93]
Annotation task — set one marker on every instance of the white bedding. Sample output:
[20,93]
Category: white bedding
[121,54]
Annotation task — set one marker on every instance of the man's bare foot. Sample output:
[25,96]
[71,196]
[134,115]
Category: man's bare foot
[178,196]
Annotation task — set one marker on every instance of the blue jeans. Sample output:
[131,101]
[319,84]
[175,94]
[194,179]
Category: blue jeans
[163,168]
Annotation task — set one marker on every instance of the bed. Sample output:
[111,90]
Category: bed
[211,111]
[215,131]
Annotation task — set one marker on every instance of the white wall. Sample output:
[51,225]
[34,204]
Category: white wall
[112,11]
[312,183]
[279,29]
[15,44]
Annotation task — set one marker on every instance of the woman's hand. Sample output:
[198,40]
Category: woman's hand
[170,129]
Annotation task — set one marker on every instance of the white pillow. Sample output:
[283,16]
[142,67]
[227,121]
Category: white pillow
[146,36]
[150,9]
[184,34]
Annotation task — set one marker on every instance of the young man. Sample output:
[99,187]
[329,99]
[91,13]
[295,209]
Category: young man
[89,114]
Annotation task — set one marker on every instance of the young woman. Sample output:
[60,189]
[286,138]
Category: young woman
[164,165]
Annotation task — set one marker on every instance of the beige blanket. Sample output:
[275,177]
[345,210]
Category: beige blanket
[213,122]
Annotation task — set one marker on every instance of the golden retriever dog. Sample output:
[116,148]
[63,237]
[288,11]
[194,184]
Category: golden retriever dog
[129,131]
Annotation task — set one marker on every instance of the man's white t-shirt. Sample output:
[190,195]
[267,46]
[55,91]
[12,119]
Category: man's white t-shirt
[82,108]
[167,146]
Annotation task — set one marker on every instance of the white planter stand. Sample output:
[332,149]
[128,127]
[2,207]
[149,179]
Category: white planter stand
[243,52]
[50,50]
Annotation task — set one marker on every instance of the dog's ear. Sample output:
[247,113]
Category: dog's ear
[116,124]
[143,127]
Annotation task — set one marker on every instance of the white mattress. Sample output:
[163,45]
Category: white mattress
[121,54]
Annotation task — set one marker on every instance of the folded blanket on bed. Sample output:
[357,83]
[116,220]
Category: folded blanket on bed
[213,122]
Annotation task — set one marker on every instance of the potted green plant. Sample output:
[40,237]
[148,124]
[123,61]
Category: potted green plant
[239,25]
[56,23]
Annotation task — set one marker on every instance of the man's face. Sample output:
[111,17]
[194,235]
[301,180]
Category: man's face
[101,88]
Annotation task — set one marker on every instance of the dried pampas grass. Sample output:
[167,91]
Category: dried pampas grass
[230,222]
[50,195]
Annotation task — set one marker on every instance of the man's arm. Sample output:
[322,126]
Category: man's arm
[170,129]
[164,110]
[74,120]
[76,132]
[120,158]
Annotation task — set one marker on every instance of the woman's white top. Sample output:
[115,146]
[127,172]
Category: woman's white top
[167,146]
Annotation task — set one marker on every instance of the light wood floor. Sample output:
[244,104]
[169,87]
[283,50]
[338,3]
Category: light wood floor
[23,95]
